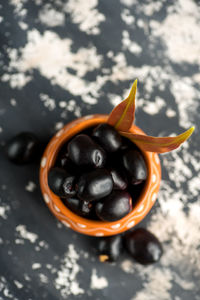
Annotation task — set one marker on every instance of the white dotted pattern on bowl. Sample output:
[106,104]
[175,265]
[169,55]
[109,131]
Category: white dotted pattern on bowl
[154,178]
[81,225]
[154,197]
[46,198]
[99,234]
[66,224]
[43,162]
[115,226]
[56,208]
[130,224]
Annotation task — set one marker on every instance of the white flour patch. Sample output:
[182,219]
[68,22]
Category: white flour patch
[97,282]
[25,234]
[23,25]
[114,99]
[152,108]
[129,45]
[85,14]
[180,32]
[48,102]
[127,17]
[43,278]
[66,281]
[51,17]
[31,186]
[129,2]
[186,98]
[18,284]
[18,80]
[127,266]
[3,210]
[170,113]
[13,102]
[1,19]
[52,56]
[18,7]
[150,8]
[70,106]
[4,289]
[36,266]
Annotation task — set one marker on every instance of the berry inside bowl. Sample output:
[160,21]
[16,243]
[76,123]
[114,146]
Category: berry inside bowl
[83,225]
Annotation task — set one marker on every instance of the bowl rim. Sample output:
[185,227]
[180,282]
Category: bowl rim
[78,223]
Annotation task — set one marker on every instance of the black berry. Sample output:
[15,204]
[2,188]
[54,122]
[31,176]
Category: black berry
[81,208]
[107,137]
[143,246]
[83,151]
[119,179]
[22,148]
[61,182]
[94,185]
[109,248]
[114,207]
[134,164]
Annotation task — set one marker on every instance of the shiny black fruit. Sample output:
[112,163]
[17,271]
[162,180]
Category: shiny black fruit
[135,191]
[143,246]
[114,207]
[109,248]
[94,185]
[107,137]
[134,164]
[61,182]
[128,145]
[22,148]
[119,179]
[81,208]
[64,162]
[83,151]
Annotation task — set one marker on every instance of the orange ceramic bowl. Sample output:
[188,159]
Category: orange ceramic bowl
[83,225]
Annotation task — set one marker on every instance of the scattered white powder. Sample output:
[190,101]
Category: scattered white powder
[1,129]
[85,14]
[88,99]
[98,283]
[48,102]
[152,108]
[51,17]
[1,19]
[36,266]
[13,102]
[129,2]
[19,241]
[185,95]
[17,80]
[114,99]
[66,280]
[3,209]
[170,113]
[18,7]
[4,290]
[180,32]
[150,8]
[43,278]
[25,234]
[127,266]
[62,104]
[52,56]
[58,125]
[23,25]
[30,187]
[129,45]
[18,284]
[127,17]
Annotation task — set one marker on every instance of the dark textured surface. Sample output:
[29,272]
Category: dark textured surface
[49,100]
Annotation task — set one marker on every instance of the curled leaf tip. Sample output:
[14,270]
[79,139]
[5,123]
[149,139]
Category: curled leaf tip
[158,144]
[123,115]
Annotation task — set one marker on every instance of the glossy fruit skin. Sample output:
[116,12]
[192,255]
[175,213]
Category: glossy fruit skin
[22,148]
[109,139]
[114,207]
[119,179]
[61,182]
[143,246]
[135,191]
[64,162]
[83,151]
[81,208]
[134,164]
[110,248]
[94,185]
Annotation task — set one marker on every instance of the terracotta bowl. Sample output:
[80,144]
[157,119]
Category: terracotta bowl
[83,225]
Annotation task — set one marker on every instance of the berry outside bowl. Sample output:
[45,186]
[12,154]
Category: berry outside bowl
[83,225]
